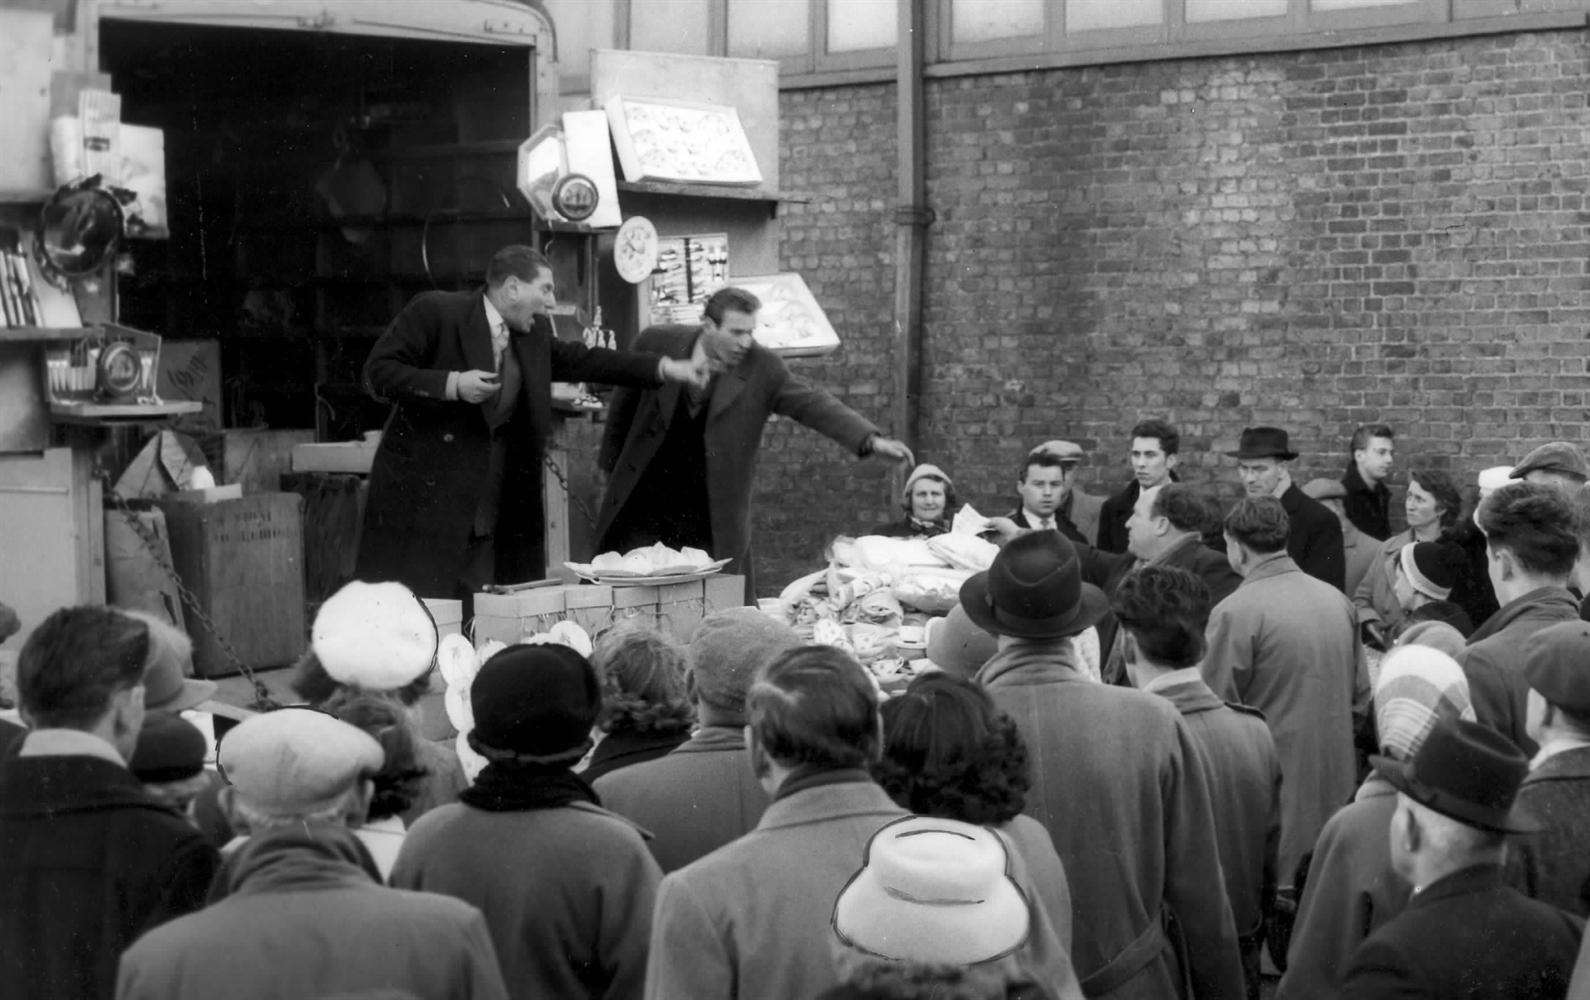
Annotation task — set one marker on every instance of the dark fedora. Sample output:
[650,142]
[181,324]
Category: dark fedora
[1034,590]
[1263,442]
[1466,771]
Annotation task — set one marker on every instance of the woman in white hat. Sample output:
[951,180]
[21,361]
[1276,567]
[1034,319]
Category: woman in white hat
[928,500]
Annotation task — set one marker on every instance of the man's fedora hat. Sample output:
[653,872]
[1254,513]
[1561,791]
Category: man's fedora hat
[1263,442]
[1034,590]
[1466,771]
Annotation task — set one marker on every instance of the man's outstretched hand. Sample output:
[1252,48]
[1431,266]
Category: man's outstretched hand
[883,447]
[696,373]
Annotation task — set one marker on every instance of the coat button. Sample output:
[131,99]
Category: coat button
[447,439]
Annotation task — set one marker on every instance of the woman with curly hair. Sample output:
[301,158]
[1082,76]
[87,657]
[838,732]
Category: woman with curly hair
[1433,506]
[646,710]
[948,752]
[401,778]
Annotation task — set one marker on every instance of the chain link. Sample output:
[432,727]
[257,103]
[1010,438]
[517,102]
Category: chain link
[263,701]
[568,491]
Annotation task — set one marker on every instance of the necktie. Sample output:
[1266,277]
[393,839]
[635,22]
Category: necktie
[1048,524]
[499,343]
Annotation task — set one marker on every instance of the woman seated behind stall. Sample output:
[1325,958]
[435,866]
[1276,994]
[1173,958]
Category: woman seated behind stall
[929,501]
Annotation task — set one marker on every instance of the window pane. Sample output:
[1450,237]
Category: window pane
[1355,4]
[985,20]
[768,29]
[1090,15]
[582,25]
[1233,10]
[670,26]
[862,24]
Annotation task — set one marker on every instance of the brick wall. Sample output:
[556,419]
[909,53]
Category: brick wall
[1313,239]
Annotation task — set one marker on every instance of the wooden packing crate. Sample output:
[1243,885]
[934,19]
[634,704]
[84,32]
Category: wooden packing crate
[590,606]
[449,614]
[243,561]
[511,617]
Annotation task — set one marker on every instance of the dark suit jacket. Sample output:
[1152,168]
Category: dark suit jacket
[1315,541]
[740,401]
[1552,864]
[1368,507]
[91,862]
[1468,936]
[431,469]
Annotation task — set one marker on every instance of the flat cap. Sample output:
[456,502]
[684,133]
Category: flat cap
[1066,451]
[1554,456]
[1555,664]
[295,761]
[1325,489]
[729,647]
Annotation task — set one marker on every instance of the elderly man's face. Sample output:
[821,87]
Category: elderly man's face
[1143,528]
[1260,476]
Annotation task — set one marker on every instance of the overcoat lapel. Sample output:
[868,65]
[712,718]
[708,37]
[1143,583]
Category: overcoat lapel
[729,386]
[475,338]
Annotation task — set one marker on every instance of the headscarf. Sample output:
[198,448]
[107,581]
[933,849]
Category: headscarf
[1418,686]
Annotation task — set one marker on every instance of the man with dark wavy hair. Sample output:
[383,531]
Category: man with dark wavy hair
[751,918]
[1286,644]
[1163,612]
[1531,545]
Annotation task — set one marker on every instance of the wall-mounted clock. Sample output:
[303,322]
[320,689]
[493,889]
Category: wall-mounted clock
[635,249]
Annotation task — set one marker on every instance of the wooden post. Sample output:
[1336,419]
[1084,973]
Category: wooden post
[912,217]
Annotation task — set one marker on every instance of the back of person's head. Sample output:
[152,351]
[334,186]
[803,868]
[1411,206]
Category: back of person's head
[515,261]
[1185,507]
[1581,516]
[402,776]
[815,705]
[727,650]
[1441,487]
[1165,609]
[948,752]
[76,661]
[1533,522]
[643,680]
[1364,432]
[1446,612]
[731,299]
[1259,524]
[1169,439]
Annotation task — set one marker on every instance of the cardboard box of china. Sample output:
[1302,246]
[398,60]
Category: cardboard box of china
[675,608]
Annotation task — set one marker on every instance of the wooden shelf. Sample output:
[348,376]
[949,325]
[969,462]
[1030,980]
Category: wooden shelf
[44,334]
[722,191]
[25,196]
[99,413]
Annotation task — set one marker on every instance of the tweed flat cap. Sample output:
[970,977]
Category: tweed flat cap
[1066,451]
[1554,456]
[296,761]
[1554,665]
[727,650]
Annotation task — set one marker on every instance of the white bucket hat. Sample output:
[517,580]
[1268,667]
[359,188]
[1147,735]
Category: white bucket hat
[933,891]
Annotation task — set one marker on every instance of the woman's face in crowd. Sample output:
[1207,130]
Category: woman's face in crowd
[927,499]
[1421,507]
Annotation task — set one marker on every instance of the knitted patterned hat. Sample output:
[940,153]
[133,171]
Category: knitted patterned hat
[1430,568]
[1418,685]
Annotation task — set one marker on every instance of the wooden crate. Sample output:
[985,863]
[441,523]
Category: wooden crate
[511,617]
[243,561]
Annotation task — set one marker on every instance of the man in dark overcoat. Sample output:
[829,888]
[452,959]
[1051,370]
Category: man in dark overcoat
[91,859]
[1464,933]
[1314,539]
[455,489]
[680,463]
[1552,864]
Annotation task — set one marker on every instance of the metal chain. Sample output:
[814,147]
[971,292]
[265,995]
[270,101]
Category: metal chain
[263,701]
[563,481]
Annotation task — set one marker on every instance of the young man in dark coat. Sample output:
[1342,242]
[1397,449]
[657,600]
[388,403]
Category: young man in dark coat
[1368,498]
[1315,538]
[1552,864]
[455,489]
[1155,452]
[1163,611]
[680,463]
[1530,548]
[1464,933]
[91,860]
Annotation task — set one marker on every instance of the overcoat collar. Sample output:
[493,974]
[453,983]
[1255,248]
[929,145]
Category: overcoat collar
[1570,765]
[1028,664]
[828,802]
[1271,567]
[1190,696]
[1522,605]
[1465,882]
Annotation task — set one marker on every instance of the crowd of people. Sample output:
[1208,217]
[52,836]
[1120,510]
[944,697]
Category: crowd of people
[1303,749]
